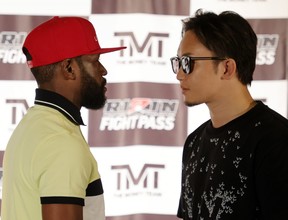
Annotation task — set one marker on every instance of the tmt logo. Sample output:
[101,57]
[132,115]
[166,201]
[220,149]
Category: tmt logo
[152,45]
[18,109]
[148,177]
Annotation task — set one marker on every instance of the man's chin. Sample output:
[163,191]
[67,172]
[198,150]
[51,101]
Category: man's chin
[95,106]
[191,104]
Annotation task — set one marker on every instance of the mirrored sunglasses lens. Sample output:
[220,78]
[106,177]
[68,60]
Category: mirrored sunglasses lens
[185,63]
[175,64]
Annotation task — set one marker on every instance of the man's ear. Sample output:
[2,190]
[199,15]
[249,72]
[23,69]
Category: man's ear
[67,69]
[230,69]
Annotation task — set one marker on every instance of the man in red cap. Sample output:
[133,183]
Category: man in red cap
[49,171]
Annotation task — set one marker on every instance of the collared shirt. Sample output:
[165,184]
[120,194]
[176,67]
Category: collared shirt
[60,103]
[48,161]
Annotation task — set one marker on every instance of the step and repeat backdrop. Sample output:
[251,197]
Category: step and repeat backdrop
[137,137]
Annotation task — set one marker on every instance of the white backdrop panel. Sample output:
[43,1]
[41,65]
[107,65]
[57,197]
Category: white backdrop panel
[160,167]
[46,7]
[246,8]
[150,39]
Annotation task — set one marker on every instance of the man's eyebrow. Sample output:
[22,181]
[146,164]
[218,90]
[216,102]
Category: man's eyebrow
[185,54]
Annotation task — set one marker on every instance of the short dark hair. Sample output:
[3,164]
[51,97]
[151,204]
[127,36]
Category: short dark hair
[226,35]
[79,61]
[45,73]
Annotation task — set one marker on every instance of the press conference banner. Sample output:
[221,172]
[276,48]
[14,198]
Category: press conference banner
[137,137]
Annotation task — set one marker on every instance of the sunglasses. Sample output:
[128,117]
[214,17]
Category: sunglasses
[187,63]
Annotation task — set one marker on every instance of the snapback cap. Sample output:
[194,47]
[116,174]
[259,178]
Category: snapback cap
[60,38]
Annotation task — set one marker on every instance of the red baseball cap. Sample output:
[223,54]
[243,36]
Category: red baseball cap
[60,38]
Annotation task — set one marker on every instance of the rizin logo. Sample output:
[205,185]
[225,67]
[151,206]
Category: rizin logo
[266,48]
[11,47]
[147,181]
[139,113]
[152,47]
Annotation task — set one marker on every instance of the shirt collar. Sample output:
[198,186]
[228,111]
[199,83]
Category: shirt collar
[60,103]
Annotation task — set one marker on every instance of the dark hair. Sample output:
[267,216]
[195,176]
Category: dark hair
[45,73]
[79,61]
[227,35]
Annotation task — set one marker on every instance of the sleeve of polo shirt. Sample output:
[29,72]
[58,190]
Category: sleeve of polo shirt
[63,170]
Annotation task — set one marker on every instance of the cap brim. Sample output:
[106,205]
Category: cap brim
[108,50]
